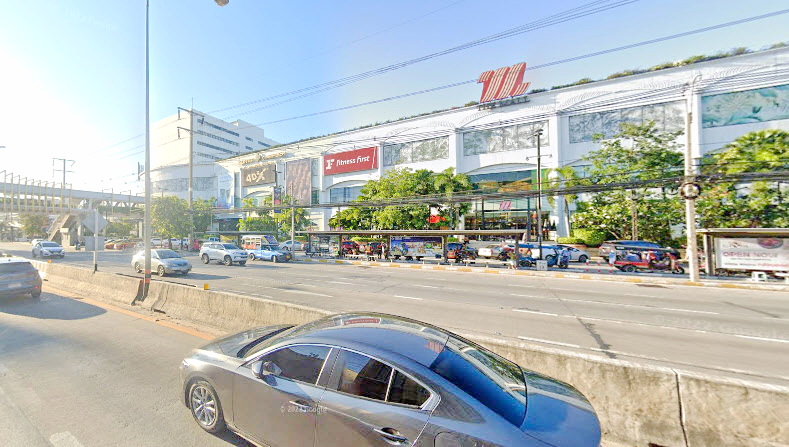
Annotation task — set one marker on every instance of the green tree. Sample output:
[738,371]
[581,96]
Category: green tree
[271,222]
[34,224]
[401,183]
[566,177]
[754,204]
[201,214]
[638,152]
[120,228]
[170,217]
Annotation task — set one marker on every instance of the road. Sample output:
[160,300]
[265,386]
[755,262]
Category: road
[735,333]
[74,374]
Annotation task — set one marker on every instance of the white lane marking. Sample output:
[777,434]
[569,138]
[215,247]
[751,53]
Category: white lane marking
[530,287]
[263,296]
[339,282]
[535,312]
[64,439]
[779,340]
[530,296]
[636,294]
[3,370]
[304,292]
[688,310]
[558,343]
[408,297]
[428,287]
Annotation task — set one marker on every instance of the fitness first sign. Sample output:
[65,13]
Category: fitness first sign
[350,161]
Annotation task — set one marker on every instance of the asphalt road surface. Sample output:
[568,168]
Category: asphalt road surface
[74,374]
[735,333]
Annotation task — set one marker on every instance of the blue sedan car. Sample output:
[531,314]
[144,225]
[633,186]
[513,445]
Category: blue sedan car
[269,253]
[368,380]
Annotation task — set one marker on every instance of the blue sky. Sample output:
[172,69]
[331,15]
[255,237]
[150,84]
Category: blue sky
[72,73]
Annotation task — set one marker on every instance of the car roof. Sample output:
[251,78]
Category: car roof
[13,260]
[374,332]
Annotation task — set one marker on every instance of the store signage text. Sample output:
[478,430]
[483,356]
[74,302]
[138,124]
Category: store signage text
[503,83]
[350,161]
[258,175]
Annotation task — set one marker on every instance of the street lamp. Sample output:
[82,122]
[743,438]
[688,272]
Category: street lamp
[147,217]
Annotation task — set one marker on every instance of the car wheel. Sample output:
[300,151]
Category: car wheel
[160,271]
[275,259]
[36,293]
[550,258]
[228,260]
[205,259]
[242,263]
[678,271]
[34,253]
[583,258]
[629,268]
[205,407]
[137,267]
[251,256]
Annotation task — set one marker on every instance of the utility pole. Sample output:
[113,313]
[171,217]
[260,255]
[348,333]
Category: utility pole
[690,191]
[64,171]
[539,192]
[96,239]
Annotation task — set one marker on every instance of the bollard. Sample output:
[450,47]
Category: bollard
[205,286]
[49,261]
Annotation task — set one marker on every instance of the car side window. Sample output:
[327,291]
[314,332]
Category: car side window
[362,376]
[406,391]
[302,362]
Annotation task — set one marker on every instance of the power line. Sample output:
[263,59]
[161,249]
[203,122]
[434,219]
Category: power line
[571,14]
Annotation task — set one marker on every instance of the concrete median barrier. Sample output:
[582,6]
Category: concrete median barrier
[223,310]
[119,288]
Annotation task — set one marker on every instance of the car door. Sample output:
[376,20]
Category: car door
[212,252]
[368,403]
[280,410]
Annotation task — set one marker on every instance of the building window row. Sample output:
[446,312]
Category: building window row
[216,137]
[668,116]
[248,148]
[503,139]
[248,139]
[220,128]
[217,148]
[263,144]
[416,151]
[212,157]
[342,195]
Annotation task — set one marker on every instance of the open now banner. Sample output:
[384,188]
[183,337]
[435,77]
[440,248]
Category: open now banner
[350,161]
[767,254]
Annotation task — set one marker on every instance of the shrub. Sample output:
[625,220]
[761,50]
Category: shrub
[570,240]
[590,237]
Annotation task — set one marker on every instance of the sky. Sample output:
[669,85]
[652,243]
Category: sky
[72,74]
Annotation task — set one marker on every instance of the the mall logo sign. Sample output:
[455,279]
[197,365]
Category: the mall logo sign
[502,83]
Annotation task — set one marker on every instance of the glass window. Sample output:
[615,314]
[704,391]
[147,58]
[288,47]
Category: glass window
[406,391]
[302,363]
[362,376]
[230,247]
[16,267]
[494,381]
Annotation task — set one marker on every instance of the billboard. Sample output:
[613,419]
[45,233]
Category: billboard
[766,254]
[416,246]
[298,180]
[224,196]
[350,161]
[258,175]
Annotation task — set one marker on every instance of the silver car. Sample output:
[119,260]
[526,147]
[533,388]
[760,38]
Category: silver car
[367,380]
[222,252]
[47,249]
[163,262]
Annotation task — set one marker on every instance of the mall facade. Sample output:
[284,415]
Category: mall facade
[495,142]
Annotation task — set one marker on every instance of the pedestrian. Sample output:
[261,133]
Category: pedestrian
[513,259]
[612,257]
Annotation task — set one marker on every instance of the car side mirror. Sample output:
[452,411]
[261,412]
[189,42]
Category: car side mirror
[262,369]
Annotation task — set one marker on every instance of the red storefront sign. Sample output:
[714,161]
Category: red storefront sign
[503,83]
[349,161]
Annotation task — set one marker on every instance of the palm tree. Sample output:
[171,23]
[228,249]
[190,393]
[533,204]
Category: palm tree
[565,177]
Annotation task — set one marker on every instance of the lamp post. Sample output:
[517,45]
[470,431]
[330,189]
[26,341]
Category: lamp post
[539,193]
[147,217]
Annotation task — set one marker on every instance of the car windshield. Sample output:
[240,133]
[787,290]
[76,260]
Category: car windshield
[230,247]
[50,244]
[167,254]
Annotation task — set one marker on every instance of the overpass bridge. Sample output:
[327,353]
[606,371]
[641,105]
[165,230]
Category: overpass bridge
[39,196]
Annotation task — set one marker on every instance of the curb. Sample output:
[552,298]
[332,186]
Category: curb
[583,276]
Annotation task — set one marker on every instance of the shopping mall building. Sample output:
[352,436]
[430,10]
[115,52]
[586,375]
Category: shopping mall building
[495,141]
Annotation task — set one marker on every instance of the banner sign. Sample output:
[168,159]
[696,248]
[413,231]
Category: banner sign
[259,175]
[766,254]
[298,182]
[350,161]
[416,246]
